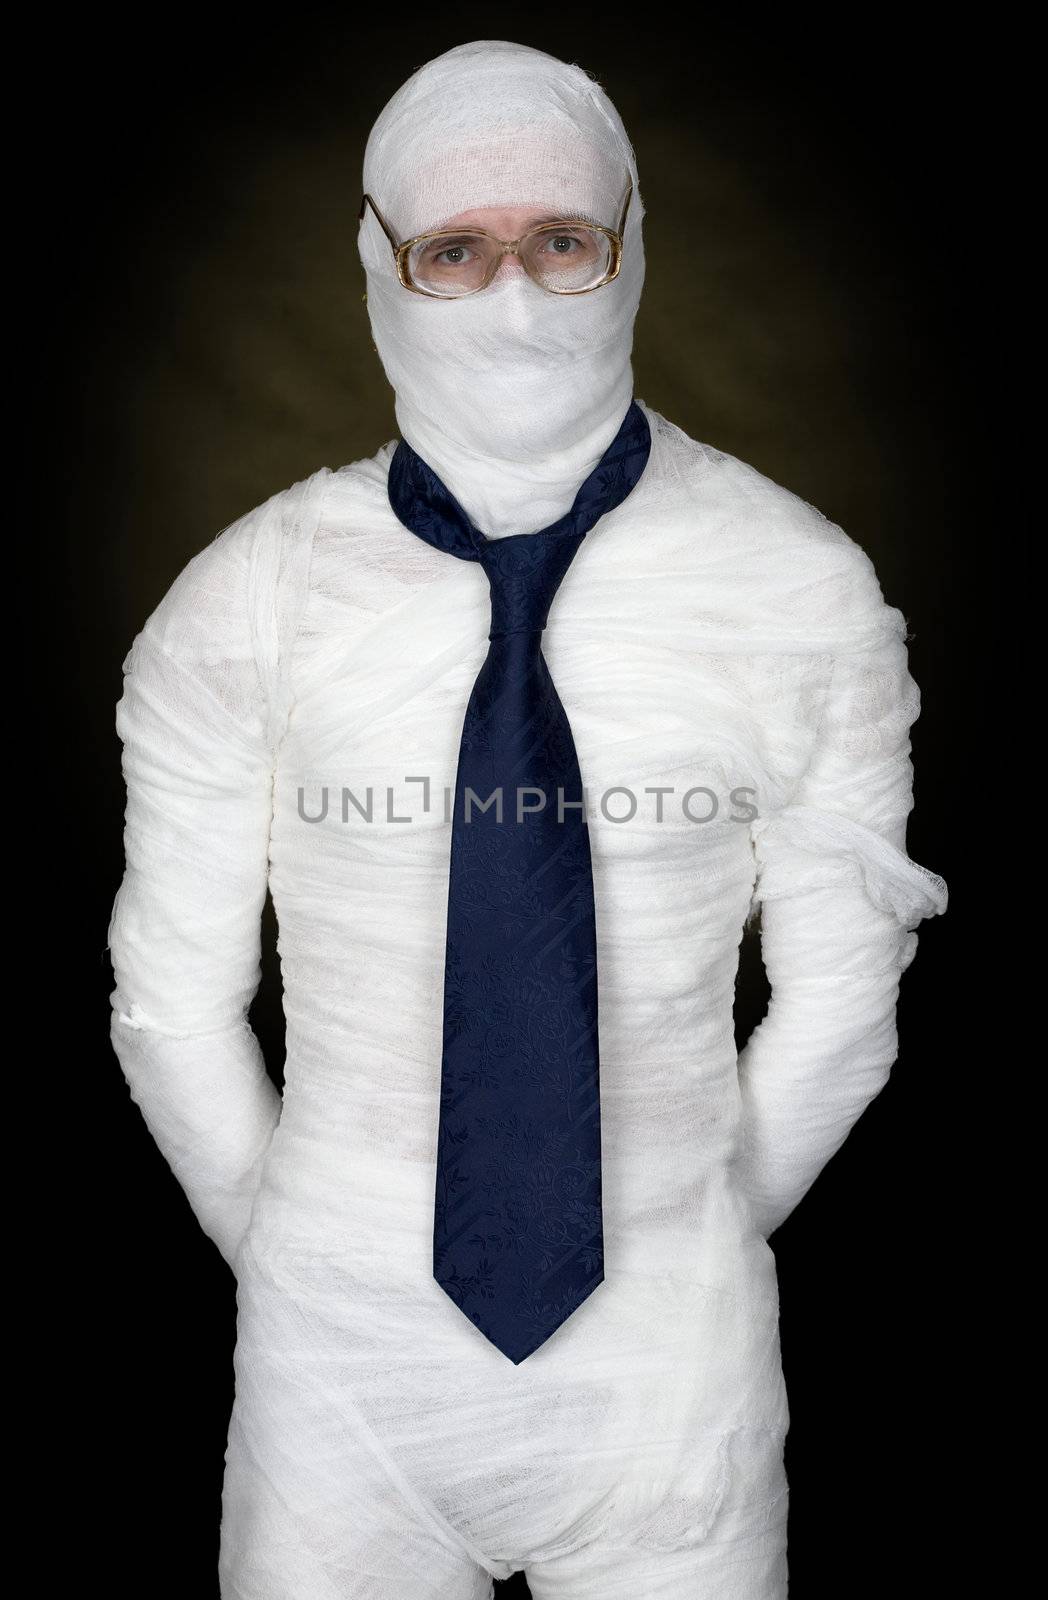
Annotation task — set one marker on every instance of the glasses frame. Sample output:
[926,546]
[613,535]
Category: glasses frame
[508,247]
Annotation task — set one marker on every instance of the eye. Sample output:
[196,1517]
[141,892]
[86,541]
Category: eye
[563,244]
[446,252]
[568,244]
[453,255]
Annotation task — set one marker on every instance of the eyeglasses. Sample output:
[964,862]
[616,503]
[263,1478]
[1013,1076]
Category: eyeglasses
[565,257]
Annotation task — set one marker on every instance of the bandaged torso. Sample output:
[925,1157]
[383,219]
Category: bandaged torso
[741,704]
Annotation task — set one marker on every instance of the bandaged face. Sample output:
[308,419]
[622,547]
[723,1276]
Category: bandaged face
[512,393]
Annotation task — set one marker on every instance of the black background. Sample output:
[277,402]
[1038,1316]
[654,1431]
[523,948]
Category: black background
[821,210]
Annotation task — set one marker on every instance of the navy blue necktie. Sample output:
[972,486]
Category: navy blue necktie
[518,1241]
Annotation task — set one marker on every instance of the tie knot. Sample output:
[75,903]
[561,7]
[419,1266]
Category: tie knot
[525,572]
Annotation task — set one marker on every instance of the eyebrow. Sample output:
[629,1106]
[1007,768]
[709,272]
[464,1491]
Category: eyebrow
[536,222]
[565,216]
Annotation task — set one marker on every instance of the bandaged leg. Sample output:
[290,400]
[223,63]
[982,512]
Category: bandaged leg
[305,1518]
[729,1546]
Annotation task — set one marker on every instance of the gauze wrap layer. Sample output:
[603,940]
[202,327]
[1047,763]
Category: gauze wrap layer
[714,632]
[511,395]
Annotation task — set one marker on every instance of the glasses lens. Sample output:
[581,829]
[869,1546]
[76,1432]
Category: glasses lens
[450,263]
[568,257]
[565,258]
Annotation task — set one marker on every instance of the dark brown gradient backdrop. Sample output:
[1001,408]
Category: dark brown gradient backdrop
[204,343]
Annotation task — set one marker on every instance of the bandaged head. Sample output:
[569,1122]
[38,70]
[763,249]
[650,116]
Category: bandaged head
[513,393]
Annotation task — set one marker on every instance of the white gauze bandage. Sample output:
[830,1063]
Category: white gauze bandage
[511,394]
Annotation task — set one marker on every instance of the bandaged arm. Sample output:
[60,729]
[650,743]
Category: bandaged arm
[839,899]
[185,930]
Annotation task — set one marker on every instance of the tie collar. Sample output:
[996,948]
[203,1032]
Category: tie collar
[428,508]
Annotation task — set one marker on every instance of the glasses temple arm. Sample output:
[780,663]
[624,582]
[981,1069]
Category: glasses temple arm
[367,201]
[625,208]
